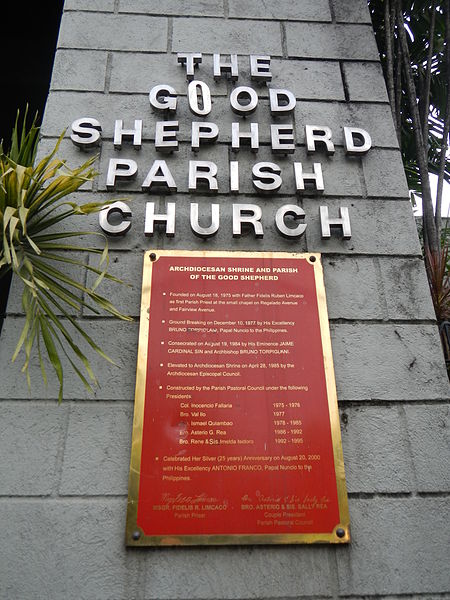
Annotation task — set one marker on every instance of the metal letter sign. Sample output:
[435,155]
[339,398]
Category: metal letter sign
[236,436]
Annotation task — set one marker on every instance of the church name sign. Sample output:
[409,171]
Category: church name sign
[202,175]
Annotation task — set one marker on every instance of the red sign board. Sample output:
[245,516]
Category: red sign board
[236,434]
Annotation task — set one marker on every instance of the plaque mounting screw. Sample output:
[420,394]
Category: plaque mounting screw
[152,256]
[312,259]
[340,532]
[136,535]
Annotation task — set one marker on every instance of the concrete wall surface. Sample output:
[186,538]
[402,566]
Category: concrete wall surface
[64,469]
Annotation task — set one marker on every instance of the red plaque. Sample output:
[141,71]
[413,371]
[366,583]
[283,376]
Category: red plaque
[236,433]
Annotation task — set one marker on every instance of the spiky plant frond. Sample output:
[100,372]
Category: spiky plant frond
[35,213]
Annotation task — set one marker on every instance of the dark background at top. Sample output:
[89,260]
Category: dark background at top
[28,41]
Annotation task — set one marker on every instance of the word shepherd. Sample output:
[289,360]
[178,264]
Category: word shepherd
[236,435]
[158,172]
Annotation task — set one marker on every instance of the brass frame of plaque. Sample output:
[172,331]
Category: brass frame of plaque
[134,536]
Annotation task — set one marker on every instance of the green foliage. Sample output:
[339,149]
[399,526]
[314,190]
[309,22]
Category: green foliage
[33,201]
[413,38]
[417,17]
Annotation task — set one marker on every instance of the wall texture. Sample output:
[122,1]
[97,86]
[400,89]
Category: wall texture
[64,469]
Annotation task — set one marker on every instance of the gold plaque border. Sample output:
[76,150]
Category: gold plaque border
[134,536]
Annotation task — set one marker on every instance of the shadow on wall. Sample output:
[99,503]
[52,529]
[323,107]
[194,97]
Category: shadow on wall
[28,43]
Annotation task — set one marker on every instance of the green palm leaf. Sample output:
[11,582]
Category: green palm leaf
[33,199]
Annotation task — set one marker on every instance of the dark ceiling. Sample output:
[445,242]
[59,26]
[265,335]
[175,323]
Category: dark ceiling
[27,45]
[27,42]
